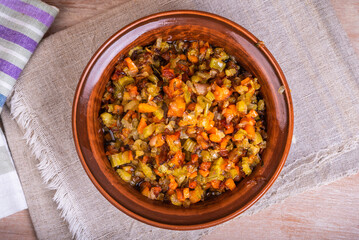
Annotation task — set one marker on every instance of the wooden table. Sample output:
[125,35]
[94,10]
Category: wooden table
[328,212]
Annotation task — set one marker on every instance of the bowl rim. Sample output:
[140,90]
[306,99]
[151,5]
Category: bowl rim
[272,61]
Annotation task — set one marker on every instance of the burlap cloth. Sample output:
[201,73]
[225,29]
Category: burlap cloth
[304,36]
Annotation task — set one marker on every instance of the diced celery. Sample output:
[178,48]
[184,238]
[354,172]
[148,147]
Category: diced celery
[241,89]
[160,128]
[253,150]
[216,171]
[206,156]
[132,105]
[196,78]
[159,113]
[149,130]
[257,139]
[241,106]
[239,135]
[227,83]
[153,89]
[153,78]
[245,166]
[134,49]
[147,171]
[126,80]
[233,172]
[174,200]
[260,105]
[180,174]
[189,145]
[119,159]
[110,107]
[124,175]
[210,96]
[108,119]
[230,72]
[217,64]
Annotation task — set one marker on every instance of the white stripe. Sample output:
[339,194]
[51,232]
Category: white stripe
[15,54]
[19,22]
[6,85]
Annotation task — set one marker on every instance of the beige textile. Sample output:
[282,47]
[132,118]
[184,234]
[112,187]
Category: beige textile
[304,36]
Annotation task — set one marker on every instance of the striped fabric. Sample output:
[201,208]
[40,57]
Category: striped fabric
[22,26]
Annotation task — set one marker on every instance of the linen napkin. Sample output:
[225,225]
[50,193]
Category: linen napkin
[22,26]
[306,39]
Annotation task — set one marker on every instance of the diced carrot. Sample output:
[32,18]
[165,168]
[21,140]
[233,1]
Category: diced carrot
[221,93]
[194,197]
[132,90]
[131,66]
[141,125]
[205,165]
[193,59]
[179,195]
[186,193]
[145,159]
[203,50]
[173,184]
[252,113]
[230,184]
[118,109]
[130,156]
[194,158]
[248,121]
[183,57]
[215,184]
[224,142]
[202,142]
[250,131]
[191,106]
[215,138]
[204,173]
[156,190]
[167,73]
[128,115]
[176,107]
[192,185]
[170,191]
[223,166]
[158,173]
[204,135]
[213,130]
[245,81]
[229,129]
[145,191]
[146,108]
[126,132]
[178,158]
[157,141]
[230,112]
[193,175]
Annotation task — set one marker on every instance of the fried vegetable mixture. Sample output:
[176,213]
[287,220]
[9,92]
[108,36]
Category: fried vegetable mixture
[182,121]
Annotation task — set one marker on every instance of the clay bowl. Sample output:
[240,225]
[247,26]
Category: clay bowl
[186,25]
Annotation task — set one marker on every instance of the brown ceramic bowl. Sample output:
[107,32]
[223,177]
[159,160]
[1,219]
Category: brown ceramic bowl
[186,25]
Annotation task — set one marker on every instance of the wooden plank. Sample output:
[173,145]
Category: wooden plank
[17,226]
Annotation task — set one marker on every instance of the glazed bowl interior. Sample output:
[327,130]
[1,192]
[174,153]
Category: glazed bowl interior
[171,26]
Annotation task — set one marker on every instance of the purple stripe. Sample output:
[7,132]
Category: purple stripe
[29,10]
[10,69]
[18,38]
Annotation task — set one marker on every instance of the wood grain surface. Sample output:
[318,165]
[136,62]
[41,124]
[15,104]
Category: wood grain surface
[328,212]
